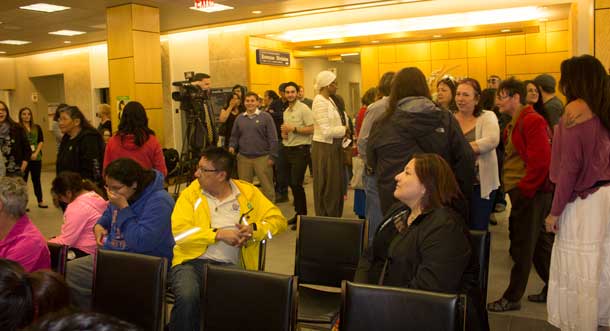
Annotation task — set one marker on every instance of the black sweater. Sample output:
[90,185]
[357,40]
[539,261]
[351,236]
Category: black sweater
[84,154]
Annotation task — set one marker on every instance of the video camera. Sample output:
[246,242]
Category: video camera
[190,96]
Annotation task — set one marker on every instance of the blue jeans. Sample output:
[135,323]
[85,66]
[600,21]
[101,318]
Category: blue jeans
[373,208]
[480,209]
[187,285]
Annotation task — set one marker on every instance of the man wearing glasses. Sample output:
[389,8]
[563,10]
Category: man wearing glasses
[494,81]
[526,166]
[209,227]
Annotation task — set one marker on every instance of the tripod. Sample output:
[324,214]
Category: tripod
[193,142]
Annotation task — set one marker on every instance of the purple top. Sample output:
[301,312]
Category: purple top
[580,158]
[254,135]
[26,245]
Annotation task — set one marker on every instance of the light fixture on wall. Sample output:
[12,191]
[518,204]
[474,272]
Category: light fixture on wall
[482,17]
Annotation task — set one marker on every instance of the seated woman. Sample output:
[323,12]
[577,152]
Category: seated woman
[426,241]
[85,207]
[20,240]
[137,220]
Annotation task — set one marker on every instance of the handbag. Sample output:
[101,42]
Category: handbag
[358,172]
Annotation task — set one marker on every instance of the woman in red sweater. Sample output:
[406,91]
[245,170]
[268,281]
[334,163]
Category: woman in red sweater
[135,140]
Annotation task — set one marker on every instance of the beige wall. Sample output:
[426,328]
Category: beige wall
[602,31]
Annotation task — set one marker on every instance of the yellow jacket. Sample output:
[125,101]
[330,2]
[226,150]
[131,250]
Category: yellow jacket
[192,211]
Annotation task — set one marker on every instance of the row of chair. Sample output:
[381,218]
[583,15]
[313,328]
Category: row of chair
[133,287]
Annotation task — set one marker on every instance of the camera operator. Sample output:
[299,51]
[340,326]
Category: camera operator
[204,83]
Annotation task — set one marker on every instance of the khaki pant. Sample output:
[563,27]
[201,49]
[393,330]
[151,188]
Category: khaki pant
[259,166]
[328,178]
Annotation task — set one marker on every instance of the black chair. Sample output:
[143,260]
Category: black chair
[372,307]
[237,299]
[131,287]
[327,252]
[481,243]
[59,257]
[262,259]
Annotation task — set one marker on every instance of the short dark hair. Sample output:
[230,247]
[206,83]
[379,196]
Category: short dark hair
[251,94]
[513,86]
[135,122]
[128,172]
[221,159]
[272,94]
[477,90]
[293,84]
[282,87]
[435,174]
[73,182]
[84,321]
[369,96]
[16,302]
[76,113]
[200,76]
[385,83]
[57,110]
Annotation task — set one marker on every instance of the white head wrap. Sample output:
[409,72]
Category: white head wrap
[324,79]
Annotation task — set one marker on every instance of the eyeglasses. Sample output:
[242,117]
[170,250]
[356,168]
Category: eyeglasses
[502,97]
[202,169]
[113,189]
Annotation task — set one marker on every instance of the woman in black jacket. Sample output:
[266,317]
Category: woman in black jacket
[14,148]
[414,124]
[423,243]
[82,147]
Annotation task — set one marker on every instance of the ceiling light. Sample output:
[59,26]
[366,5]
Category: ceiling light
[483,17]
[67,33]
[370,4]
[2,52]
[375,42]
[309,12]
[505,30]
[44,7]
[14,42]
[437,36]
[544,19]
[257,12]
[213,8]
[317,46]
[67,42]
[350,54]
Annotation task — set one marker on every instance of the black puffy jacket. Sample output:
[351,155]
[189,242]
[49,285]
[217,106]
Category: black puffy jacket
[418,126]
[84,155]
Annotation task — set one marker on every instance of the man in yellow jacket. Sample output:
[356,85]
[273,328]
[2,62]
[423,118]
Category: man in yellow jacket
[216,220]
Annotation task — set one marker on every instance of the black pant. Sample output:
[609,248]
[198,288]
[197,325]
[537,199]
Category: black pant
[35,167]
[529,242]
[296,165]
[280,174]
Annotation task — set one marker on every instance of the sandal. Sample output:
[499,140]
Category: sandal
[539,298]
[503,305]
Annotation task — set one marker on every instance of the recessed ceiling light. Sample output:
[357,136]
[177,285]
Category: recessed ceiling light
[67,42]
[505,30]
[257,12]
[14,42]
[350,54]
[67,33]
[375,42]
[44,7]
[317,46]
[544,19]
[213,8]
[2,52]
[437,36]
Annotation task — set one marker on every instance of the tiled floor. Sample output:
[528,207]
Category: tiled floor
[280,258]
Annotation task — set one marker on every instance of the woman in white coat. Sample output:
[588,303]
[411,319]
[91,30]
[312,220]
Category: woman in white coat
[481,130]
[326,149]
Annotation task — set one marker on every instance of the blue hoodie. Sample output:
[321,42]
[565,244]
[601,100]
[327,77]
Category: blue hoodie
[145,226]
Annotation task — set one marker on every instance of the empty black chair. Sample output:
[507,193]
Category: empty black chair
[327,252]
[237,299]
[59,257]
[131,287]
[372,307]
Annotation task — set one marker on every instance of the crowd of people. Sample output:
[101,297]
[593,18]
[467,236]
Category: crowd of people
[431,167]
